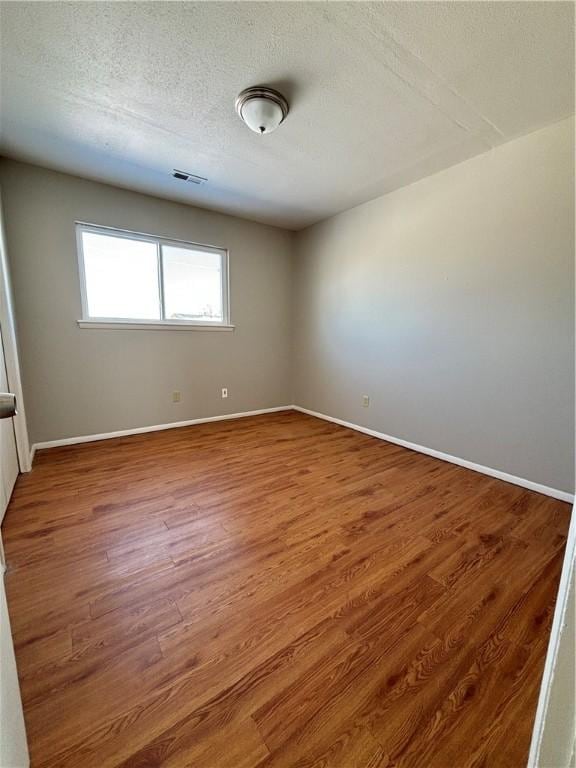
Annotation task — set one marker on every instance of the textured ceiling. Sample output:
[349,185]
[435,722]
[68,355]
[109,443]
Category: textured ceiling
[381,94]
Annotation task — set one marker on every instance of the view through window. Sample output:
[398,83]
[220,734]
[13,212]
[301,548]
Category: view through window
[140,278]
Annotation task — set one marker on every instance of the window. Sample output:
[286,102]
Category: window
[128,278]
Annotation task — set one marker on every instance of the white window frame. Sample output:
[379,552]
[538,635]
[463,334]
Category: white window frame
[142,323]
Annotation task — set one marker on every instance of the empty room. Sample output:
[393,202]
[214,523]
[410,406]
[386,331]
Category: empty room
[287,402]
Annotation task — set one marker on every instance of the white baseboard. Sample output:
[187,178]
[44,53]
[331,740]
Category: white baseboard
[553,492]
[529,484]
[32,453]
[153,428]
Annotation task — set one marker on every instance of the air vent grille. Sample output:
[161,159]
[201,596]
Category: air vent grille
[192,178]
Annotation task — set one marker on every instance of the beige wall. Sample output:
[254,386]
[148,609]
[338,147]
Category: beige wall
[451,304]
[81,382]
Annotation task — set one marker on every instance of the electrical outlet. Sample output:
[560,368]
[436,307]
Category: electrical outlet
[224,392]
[176,396]
[365,401]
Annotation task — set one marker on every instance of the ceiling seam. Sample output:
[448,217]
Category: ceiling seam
[390,43]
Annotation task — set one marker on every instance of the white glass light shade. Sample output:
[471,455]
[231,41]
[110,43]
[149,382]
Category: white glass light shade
[262,109]
[262,115]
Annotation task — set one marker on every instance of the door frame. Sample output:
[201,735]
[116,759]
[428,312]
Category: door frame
[9,340]
[557,635]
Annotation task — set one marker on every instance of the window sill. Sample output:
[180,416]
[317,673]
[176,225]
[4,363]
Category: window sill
[152,326]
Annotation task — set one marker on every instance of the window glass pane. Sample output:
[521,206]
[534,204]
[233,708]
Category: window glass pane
[121,277]
[192,284]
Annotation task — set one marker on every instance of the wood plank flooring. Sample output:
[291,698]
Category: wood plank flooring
[277,591]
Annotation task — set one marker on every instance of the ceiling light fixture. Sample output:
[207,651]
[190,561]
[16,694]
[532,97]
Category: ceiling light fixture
[261,108]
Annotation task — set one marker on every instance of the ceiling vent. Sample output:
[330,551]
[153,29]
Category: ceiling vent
[190,177]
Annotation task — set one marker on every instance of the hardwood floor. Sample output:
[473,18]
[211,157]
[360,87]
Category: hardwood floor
[277,591]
